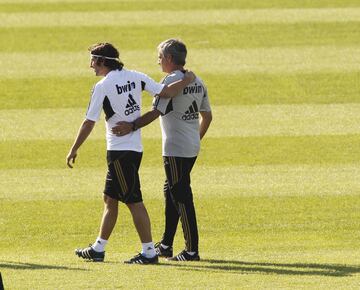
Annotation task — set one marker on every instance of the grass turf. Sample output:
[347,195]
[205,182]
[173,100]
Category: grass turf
[277,199]
[285,241]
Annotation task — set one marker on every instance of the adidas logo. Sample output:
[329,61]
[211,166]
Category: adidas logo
[192,113]
[131,106]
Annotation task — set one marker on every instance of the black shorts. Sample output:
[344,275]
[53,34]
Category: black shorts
[122,179]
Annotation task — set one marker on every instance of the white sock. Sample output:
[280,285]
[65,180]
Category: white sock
[99,245]
[191,253]
[164,246]
[148,250]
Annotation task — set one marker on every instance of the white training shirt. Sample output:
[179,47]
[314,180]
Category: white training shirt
[119,95]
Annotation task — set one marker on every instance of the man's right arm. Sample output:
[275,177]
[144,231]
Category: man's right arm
[92,115]
[123,128]
[84,131]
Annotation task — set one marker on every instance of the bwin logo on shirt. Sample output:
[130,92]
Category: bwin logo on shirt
[196,89]
[131,106]
[125,88]
[192,113]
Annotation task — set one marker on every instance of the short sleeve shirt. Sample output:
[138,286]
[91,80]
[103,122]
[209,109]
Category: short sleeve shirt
[118,94]
[179,118]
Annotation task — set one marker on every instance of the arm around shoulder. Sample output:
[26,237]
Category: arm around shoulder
[173,89]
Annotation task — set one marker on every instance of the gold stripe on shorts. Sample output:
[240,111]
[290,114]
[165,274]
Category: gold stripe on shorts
[120,176]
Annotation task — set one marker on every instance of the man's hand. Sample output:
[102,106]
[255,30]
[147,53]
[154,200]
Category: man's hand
[122,128]
[71,156]
[190,76]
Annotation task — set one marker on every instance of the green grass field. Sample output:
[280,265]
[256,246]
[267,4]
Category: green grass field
[277,182]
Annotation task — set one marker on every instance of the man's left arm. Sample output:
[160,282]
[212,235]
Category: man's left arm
[206,118]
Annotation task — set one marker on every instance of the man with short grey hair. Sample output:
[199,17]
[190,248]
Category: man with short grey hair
[174,48]
[181,134]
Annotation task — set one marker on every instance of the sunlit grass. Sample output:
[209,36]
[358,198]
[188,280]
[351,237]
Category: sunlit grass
[277,181]
[260,120]
[231,61]
[193,17]
[234,90]
[228,181]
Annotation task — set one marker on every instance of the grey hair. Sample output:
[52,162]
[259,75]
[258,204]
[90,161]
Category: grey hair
[174,47]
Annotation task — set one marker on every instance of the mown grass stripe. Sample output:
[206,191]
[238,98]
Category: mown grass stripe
[108,5]
[111,5]
[163,17]
[93,5]
[260,180]
[74,39]
[246,121]
[225,61]
[281,150]
[224,89]
[343,149]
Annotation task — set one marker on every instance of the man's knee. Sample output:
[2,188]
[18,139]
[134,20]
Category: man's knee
[180,193]
[110,203]
[137,206]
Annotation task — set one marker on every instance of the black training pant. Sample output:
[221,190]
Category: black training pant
[179,202]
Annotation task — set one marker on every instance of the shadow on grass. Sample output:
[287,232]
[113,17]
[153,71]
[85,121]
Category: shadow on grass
[32,266]
[300,269]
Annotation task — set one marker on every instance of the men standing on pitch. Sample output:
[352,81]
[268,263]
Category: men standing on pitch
[119,95]
[181,134]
